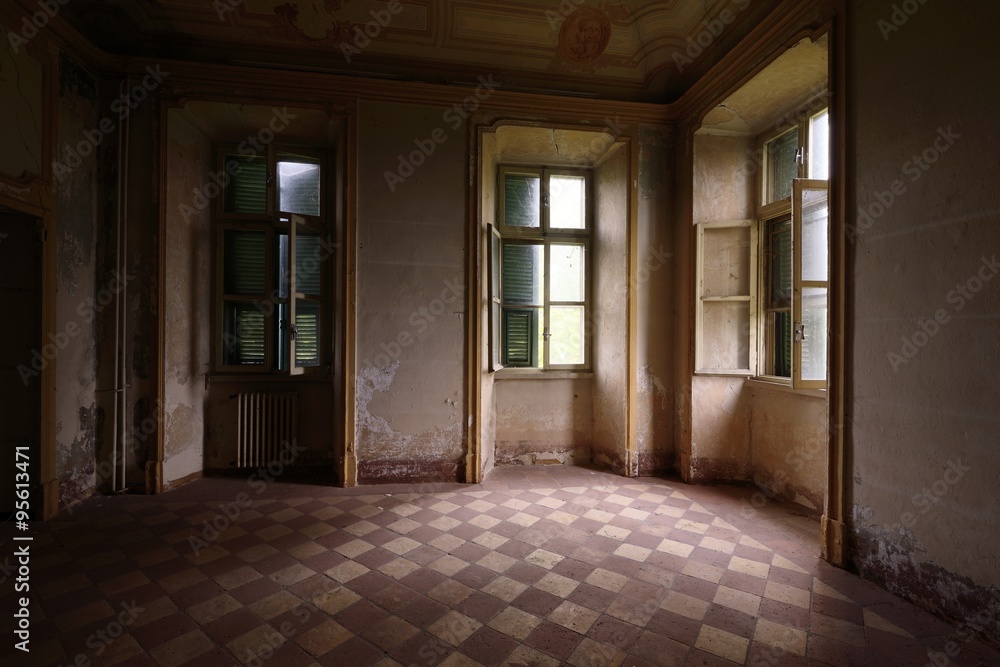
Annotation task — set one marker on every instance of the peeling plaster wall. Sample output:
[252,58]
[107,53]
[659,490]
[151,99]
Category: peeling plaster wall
[544,421]
[922,427]
[187,310]
[789,446]
[78,418]
[655,396]
[410,412]
[610,318]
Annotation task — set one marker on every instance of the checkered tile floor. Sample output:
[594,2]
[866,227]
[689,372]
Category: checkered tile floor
[536,567]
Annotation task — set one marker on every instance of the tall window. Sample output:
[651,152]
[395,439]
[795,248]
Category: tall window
[272,252]
[763,284]
[539,269]
[794,221]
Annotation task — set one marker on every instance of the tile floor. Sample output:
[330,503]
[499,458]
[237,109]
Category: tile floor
[535,567]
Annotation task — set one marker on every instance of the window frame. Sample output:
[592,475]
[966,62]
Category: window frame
[274,223]
[546,236]
[768,212]
[761,350]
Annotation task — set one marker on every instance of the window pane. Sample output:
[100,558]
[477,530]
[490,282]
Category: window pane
[779,257]
[522,200]
[243,334]
[814,308]
[281,265]
[308,267]
[781,166]
[566,324]
[298,184]
[520,336]
[819,146]
[247,188]
[567,202]
[307,326]
[780,334]
[522,273]
[568,275]
[815,235]
[244,262]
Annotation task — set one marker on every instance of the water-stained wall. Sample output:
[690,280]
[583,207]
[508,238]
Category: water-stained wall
[187,306]
[412,217]
[923,242]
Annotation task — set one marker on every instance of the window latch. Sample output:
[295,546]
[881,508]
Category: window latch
[293,331]
[546,335]
[800,155]
[800,332]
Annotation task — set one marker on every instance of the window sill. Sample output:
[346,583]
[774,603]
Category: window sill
[266,377]
[537,374]
[779,384]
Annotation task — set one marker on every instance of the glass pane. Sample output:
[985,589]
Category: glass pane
[566,324]
[567,202]
[568,273]
[520,336]
[781,166]
[815,236]
[243,334]
[819,146]
[780,332]
[522,273]
[725,345]
[244,262]
[814,308]
[280,334]
[247,188]
[308,265]
[281,265]
[779,257]
[307,326]
[298,184]
[522,200]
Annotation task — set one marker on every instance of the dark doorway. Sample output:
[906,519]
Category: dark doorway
[22,359]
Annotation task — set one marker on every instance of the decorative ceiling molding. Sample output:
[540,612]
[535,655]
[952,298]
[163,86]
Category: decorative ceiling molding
[636,51]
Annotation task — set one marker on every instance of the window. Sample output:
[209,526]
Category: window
[539,256]
[272,247]
[783,256]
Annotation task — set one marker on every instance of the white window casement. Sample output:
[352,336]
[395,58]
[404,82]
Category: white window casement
[763,284]
[272,276]
[539,270]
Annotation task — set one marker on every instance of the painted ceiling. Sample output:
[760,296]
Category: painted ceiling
[633,50]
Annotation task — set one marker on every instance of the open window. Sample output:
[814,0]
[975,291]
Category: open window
[782,256]
[539,259]
[273,287]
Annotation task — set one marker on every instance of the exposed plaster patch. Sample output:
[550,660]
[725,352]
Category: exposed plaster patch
[370,380]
